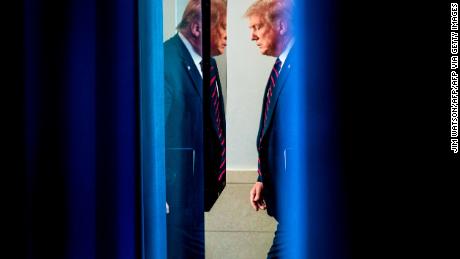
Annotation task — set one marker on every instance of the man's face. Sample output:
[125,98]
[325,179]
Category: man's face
[219,37]
[265,36]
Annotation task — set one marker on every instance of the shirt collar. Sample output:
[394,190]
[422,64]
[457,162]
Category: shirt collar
[195,56]
[285,53]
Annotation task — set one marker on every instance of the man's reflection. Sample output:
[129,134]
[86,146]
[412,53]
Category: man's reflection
[218,27]
[186,170]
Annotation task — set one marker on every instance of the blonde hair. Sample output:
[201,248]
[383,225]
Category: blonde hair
[272,10]
[192,13]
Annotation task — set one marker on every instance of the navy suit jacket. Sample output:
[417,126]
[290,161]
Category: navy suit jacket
[192,184]
[276,145]
[191,179]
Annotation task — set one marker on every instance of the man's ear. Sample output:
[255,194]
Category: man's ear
[196,29]
[282,27]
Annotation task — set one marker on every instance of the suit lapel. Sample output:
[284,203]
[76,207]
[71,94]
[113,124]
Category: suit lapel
[280,83]
[190,66]
[195,76]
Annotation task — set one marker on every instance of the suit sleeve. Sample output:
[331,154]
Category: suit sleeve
[260,179]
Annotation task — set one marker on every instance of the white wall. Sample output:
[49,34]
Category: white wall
[172,14]
[247,75]
[169,19]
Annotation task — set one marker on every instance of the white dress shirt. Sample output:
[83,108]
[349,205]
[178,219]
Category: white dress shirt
[285,53]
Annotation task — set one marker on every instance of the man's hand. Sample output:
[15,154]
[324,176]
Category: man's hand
[256,196]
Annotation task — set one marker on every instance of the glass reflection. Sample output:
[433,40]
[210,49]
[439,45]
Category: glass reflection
[195,125]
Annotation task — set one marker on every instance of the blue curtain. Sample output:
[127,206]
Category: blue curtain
[152,129]
[313,197]
[75,131]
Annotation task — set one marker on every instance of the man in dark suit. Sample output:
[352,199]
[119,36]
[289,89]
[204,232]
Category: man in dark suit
[272,30]
[191,130]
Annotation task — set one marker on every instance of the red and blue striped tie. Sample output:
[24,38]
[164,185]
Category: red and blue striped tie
[215,109]
[266,104]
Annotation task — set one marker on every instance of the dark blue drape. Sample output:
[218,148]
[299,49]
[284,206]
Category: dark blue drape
[81,124]
[313,196]
[152,129]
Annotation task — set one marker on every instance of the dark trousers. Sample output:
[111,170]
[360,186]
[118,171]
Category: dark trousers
[279,246]
[185,235]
